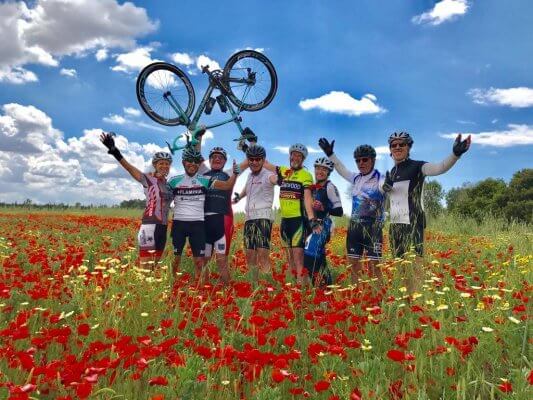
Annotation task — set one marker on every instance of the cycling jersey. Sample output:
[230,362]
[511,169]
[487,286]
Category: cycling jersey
[328,195]
[189,196]
[259,195]
[367,197]
[291,193]
[158,199]
[217,201]
[406,195]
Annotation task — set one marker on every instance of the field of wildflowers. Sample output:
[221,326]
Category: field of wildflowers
[79,319]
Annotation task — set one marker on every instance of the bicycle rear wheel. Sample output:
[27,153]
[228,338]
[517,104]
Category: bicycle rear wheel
[250,80]
[157,83]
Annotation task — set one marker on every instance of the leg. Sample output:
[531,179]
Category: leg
[264,233]
[178,242]
[197,243]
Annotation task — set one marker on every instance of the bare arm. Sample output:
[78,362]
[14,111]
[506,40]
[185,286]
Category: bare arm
[269,166]
[224,185]
[308,203]
[134,172]
[433,169]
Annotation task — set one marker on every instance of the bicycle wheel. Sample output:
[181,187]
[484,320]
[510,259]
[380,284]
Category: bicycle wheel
[158,81]
[250,80]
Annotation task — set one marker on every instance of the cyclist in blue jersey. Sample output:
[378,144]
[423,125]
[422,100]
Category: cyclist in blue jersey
[189,190]
[365,232]
[326,202]
[152,235]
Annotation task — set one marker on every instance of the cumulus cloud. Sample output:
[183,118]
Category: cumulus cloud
[182,58]
[285,149]
[342,103]
[71,73]
[518,97]
[204,60]
[101,55]
[445,10]
[130,118]
[41,32]
[514,135]
[134,60]
[37,162]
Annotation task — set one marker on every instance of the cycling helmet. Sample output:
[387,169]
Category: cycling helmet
[364,150]
[300,148]
[191,154]
[218,150]
[325,162]
[161,155]
[402,136]
[255,150]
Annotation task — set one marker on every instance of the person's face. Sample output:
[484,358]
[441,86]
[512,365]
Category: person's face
[162,167]
[399,150]
[255,164]
[191,167]
[217,161]
[297,159]
[365,164]
[321,173]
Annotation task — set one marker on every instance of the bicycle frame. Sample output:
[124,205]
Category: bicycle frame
[192,124]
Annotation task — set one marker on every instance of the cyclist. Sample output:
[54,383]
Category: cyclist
[404,183]
[152,235]
[326,202]
[365,232]
[259,193]
[296,206]
[189,190]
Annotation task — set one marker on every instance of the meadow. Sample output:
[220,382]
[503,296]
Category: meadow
[79,319]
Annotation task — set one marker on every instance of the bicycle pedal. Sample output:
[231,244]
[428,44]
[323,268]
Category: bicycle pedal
[209,105]
[222,103]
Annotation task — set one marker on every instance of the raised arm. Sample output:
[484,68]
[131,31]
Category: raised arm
[341,169]
[227,185]
[109,142]
[459,148]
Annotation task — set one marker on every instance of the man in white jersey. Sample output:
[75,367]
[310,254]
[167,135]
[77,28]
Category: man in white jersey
[189,190]
[259,193]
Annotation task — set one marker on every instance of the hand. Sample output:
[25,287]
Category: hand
[318,206]
[107,140]
[326,146]
[236,198]
[461,147]
[250,135]
[387,185]
[200,130]
[316,225]
[236,168]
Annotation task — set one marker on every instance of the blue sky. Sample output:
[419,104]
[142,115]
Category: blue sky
[353,71]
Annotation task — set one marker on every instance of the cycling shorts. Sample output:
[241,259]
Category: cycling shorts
[152,239]
[293,231]
[218,234]
[257,234]
[194,231]
[364,239]
[404,237]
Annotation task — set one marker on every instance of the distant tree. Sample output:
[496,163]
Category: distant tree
[433,197]
[134,203]
[519,197]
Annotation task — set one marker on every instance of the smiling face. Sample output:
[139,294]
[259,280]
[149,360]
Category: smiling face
[255,164]
[399,150]
[296,159]
[162,168]
[321,173]
[191,167]
[365,164]
[217,161]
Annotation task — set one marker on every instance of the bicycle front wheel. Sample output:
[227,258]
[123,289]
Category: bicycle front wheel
[160,86]
[250,80]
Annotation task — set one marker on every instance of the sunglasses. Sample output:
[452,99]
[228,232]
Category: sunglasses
[254,159]
[398,145]
[193,161]
[362,160]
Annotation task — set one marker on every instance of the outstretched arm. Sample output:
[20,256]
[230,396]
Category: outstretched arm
[109,142]
[459,148]
[341,169]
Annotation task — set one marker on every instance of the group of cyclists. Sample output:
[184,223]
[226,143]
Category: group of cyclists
[202,211]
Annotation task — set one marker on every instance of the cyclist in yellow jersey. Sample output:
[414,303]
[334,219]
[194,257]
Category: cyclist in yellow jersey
[296,204]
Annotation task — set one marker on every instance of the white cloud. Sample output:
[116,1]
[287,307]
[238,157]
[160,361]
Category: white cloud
[134,60]
[114,119]
[101,55]
[35,157]
[285,149]
[443,11]
[71,73]
[203,60]
[518,97]
[342,103]
[134,112]
[208,135]
[514,135]
[41,32]
[130,119]
[182,58]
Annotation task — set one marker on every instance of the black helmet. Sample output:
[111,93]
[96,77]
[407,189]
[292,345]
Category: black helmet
[365,150]
[218,150]
[191,154]
[401,136]
[255,150]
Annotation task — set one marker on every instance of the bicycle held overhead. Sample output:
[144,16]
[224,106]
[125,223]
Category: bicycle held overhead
[247,82]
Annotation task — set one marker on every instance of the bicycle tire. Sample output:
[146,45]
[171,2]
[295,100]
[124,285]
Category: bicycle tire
[153,81]
[235,69]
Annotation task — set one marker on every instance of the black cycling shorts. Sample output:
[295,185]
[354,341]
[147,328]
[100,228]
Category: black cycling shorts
[293,231]
[257,234]
[403,237]
[194,230]
[365,238]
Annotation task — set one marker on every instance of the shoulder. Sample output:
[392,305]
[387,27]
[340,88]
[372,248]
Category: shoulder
[173,181]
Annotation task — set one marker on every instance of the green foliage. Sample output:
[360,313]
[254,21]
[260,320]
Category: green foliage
[133,203]
[433,197]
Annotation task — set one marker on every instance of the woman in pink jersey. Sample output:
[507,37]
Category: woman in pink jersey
[153,232]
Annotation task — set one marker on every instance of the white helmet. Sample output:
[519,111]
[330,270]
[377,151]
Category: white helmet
[325,162]
[401,136]
[161,155]
[300,148]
